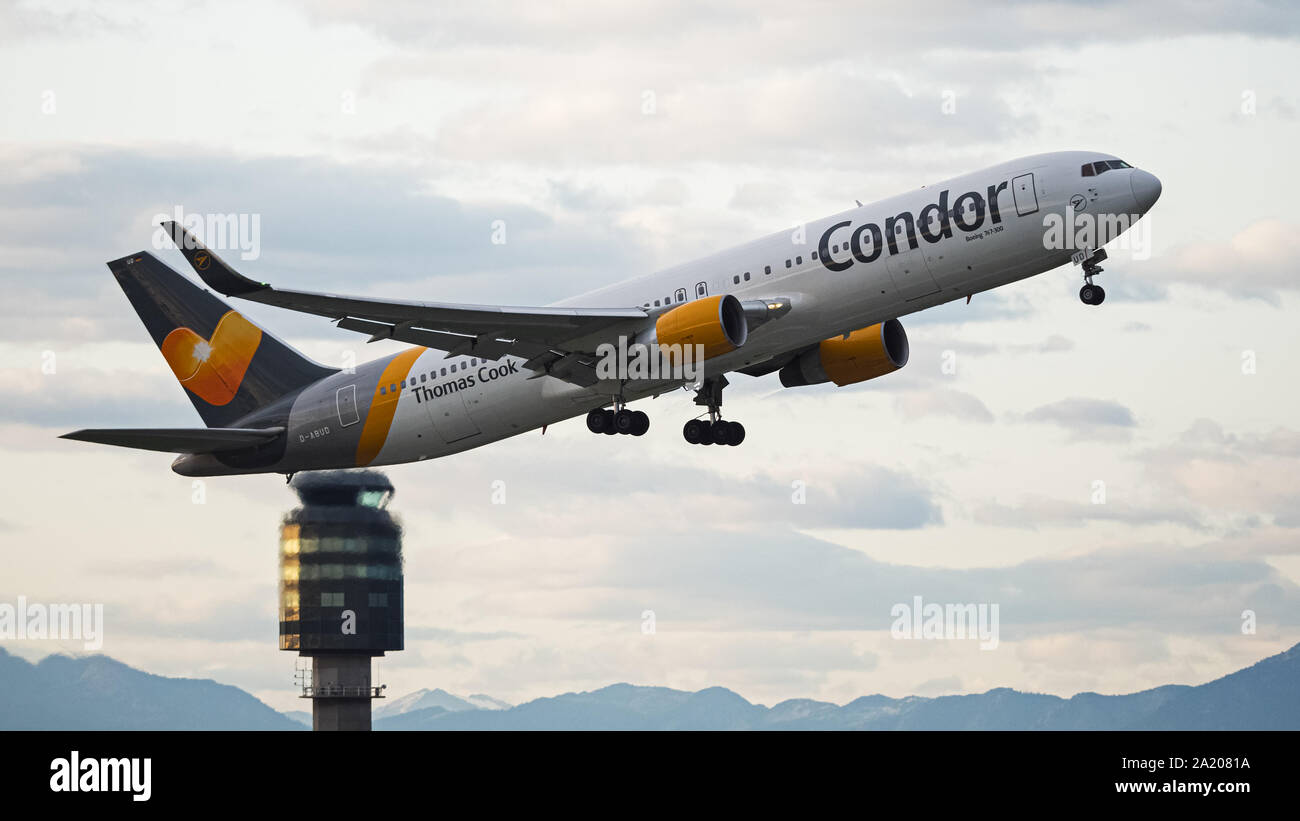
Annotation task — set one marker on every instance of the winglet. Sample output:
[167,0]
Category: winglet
[211,268]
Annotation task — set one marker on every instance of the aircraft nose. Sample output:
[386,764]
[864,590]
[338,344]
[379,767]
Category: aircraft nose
[1146,189]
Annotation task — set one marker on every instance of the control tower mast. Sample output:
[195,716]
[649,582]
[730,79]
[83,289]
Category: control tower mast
[341,589]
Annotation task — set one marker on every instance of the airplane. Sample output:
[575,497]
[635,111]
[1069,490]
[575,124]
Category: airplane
[820,304]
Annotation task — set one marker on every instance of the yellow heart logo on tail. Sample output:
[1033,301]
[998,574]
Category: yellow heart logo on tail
[213,369]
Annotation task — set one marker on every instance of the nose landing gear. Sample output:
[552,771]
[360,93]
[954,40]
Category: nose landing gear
[1091,294]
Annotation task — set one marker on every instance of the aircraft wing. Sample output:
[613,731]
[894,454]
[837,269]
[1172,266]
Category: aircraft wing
[555,341]
[178,440]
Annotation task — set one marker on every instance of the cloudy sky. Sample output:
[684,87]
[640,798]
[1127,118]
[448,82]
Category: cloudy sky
[378,146]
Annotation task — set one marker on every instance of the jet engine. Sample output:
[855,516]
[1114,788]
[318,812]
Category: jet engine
[718,323]
[847,360]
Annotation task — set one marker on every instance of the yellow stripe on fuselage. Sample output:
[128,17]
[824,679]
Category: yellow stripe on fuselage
[383,406]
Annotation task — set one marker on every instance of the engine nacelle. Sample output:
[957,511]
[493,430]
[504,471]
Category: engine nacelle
[862,355]
[717,323]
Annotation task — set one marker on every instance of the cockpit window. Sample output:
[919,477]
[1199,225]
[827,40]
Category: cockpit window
[1101,167]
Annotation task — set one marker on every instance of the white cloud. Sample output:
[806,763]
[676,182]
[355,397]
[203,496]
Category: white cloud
[1255,261]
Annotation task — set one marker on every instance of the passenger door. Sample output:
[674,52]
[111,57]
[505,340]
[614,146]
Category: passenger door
[345,401]
[1022,188]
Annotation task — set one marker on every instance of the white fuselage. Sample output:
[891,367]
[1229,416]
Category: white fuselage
[994,236]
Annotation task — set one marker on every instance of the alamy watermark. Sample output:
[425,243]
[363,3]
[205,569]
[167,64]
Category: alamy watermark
[1085,231]
[220,232]
[126,775]
[920,620]
[36,621]
[650,360]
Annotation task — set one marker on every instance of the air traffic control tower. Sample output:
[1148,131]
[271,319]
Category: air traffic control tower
[341,589]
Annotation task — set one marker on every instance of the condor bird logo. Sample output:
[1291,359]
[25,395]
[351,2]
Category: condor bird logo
[202,260]
[213,369]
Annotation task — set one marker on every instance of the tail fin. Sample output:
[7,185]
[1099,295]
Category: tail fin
[227,365]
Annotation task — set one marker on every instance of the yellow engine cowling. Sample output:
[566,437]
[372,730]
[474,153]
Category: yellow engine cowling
[862,355]
[717,323]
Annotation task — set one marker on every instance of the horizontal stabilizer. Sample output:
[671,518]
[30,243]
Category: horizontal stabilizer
[178,440]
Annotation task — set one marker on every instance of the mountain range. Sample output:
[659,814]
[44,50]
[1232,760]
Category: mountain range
[99,693]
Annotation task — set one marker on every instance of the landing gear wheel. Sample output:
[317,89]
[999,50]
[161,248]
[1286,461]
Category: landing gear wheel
[609,428]
[713,430]
[624,421]
[693,431]
[640,423]
[596,421]
[720,433]
[1092,294]
[736,433]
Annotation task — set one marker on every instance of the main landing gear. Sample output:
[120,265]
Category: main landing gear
[621,420]
[1091,294]
[714,430]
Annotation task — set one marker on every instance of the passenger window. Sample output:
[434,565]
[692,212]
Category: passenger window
[444,371]
[814,255]
[453,368]
[767,269]
[798,260]
[382,390]
[656,303]
[392,388]
[787,263]
[747,276]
